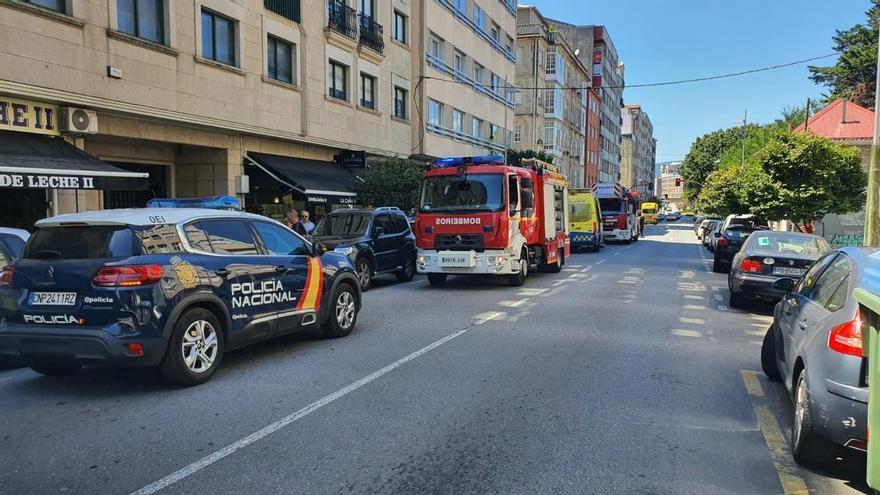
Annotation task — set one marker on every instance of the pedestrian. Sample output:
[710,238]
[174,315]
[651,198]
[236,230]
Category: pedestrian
[309,226]
[292,221]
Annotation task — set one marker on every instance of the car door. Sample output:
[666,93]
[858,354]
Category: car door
[383,242]
[819,300]
[242,276]
[401,238]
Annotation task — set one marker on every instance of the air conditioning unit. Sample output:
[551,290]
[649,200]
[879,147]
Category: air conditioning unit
[79,121]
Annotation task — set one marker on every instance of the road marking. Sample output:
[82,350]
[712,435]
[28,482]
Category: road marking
[686,333]
[792,483]
[695,307]
[722,307]
[287,420]
[718,297]
[600,262]
[692,321]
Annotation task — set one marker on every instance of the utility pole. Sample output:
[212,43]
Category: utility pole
[871,209]
[745,118]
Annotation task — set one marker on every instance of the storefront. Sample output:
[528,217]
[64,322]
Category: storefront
[278,183]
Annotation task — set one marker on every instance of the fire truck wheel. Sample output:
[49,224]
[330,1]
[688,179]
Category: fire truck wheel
[437,278]
[556,267]
[517,279]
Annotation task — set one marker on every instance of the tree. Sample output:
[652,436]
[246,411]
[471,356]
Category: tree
[813,176]
[704,155]
[390,182]
[737,189]
[792,116]
[515,157]
[853,75]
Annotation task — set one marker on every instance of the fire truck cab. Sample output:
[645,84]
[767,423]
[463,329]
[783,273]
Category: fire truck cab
[621,215]
[479,215]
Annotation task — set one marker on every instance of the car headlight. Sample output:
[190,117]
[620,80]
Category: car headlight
[422,260]
[344,250]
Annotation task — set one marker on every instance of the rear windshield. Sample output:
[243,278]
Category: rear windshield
[784,243]
[738,233]
[81,242]
[611,205]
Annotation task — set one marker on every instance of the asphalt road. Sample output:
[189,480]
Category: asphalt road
[625,373]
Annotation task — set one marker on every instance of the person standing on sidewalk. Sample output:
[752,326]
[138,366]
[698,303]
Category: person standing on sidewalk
[309,226]
[292,221]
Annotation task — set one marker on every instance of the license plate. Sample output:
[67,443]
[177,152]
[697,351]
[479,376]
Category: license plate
[792,272]
[456,260]
[53,298]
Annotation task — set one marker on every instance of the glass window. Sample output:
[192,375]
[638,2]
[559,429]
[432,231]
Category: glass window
[343,224]
[478,73]
[232,237]
[457,120]
[401,224]
[399,27]
[383,222]
[477,128]
[461,5]
[451,193]
[12,245]
[459,63]
[400,102]
[830,279]
[838,299]
[435,112]
[279,58]
[493,132]
[805,284]
[513,194]
[436,48]
[218,38]
[89,242]
[496,32]
[56,5]
[197,237]
[280,241]
[368,93]
[338,81]
[142,18]
[159,239]
[495,82]
[786,243]
[5,258]
[517,133]
[479,17]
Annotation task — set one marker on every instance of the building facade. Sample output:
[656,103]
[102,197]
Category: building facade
[594,138]
[670,186]
[191,92]
[638,151]
[464,62]
[552,112]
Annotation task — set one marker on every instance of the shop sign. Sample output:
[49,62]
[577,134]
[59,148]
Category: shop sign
[28,116]
[352,159]
[337,200]
[46,181]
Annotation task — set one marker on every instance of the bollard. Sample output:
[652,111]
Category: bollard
[870,309]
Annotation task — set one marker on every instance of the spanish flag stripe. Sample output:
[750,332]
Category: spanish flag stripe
[310,298]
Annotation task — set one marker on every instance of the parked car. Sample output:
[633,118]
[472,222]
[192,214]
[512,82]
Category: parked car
[376,241]
[747,220]
[766,257]
[673,216]
[169,287]
[727,243]
[713,236]
[703,229]
[814,346]
[12,243]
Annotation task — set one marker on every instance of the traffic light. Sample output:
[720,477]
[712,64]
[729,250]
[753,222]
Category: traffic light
[678,182]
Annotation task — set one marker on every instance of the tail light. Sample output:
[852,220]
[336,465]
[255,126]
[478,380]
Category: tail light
[128,275]
[846,338]
[722,242]
[7,276]
[750,266]
[595,227]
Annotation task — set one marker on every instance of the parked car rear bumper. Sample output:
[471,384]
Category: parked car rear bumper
[756,286]
[840,411]
[30,344]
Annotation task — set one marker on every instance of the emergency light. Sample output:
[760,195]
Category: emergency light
[459,161]
[220,202]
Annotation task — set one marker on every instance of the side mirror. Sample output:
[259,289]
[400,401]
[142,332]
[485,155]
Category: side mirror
[784,284]
[528,200]
[318,249]
[717,234]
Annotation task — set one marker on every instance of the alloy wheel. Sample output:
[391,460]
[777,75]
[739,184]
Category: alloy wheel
[800,406]
[200,346]
[363,274]
[345,310]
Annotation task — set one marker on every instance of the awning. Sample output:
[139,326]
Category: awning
[320,181]
[30,161]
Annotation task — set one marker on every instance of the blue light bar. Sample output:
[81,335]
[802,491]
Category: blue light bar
[212,202]
[459,161]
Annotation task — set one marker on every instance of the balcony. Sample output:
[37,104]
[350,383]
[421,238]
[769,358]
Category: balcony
[342,19]
[371,33]
[285,8]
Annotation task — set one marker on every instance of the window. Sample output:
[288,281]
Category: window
[493,132]
[457,120]
[809,279]
[383,222]
[508,44]
[495,32]
[435,112]
[513,194]
[92,242]
[461,5]
[159,239]
[831,278]
[399,27]
[479,71]
[338,81]
[280,60]
[436,48]
[56,5]
[218,38]
[400,223]
[517,133]
[550,65]
[477,128]
[459,63]
[479,17]
[279,241]
[368,91]
[494,81]
[142,18]
[400,100]
[232,237]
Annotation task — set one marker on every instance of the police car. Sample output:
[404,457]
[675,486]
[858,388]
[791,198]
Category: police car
[167,287]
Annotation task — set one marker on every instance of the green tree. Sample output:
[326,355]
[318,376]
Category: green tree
[705,155]
[853,75]
[515,157]
[813,176]
[737,189]
[390,182]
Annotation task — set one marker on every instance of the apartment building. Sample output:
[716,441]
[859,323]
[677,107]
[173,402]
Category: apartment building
[463,77]
[593,151]
[638,151]
[552,113]
[263,99]
[670,186]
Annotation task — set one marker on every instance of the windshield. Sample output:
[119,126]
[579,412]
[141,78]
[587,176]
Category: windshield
[611,206]
[649,211]
[454,193]
[581,212]
[740,233]
[784,243]
[344,224]
[80,243]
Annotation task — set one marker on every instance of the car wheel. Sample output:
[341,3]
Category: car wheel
[556,267]
[717,267]
[518,279]
[364,271]
[195,350]
[807,447]
[736,300]
[54,369]
[343,313]
[409,268]
[768,355]
[437,278]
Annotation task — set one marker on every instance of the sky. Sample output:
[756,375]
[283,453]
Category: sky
[663,40]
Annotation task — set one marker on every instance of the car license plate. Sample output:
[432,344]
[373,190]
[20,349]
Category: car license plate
[53,298]
[457,260]
[791,272]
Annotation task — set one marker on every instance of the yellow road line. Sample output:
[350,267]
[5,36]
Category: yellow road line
[792,483]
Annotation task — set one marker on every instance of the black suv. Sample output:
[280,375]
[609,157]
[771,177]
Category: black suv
[377,241]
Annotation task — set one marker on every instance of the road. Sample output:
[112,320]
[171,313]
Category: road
[625,373]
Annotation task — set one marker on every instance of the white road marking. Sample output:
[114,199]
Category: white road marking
[686,333]
[722,307]
[719,297]
[287,420]
[695,307]
[600,262]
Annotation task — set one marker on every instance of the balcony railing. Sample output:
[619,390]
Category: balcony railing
[342,18]
[371,33]
[286,8]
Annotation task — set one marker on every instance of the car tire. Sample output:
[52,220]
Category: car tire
[343,312]
[717,267]
[518,279]
[737,300]
[768,355]
[409,268]
[555,267]
[55,369]
[807,447]
[199,334]
[436,279]
[364,271]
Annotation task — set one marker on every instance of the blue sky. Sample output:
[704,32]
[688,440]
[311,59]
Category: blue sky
[660,40]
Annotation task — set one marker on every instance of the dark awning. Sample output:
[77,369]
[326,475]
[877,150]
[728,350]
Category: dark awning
[30,161]
[321,181]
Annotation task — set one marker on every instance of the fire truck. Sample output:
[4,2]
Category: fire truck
[620,212]
[479,215]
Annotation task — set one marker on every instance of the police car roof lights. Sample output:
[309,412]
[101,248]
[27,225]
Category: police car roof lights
[220,202]
[460,161]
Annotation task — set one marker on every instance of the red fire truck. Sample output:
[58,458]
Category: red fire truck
[621,210]
[479,215]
